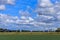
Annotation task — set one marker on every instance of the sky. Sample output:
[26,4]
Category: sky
[16,8]
[19,5]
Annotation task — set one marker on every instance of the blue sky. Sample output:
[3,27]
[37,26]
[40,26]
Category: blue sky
[20,5]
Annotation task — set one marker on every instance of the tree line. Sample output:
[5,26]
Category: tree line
[7,30]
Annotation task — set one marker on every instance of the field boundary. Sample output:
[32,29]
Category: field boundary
[29,33]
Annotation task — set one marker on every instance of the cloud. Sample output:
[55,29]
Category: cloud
[42,24]
[9,21]
[12,2]
[50,10]
[45,16]
[31,19]
[2,7]
[24,13]
[26,20]
[14,20]
[45,3]
[58,17]
[2,1]
[23,17]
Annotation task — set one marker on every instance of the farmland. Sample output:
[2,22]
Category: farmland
[29,36]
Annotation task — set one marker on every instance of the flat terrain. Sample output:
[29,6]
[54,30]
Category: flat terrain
[29,36]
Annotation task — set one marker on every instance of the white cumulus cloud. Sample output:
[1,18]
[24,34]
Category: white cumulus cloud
[12,2]
[45,3]
[2,7]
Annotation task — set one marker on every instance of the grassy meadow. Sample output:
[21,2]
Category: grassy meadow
[29,36]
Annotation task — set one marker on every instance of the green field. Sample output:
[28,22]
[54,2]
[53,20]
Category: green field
[29,36]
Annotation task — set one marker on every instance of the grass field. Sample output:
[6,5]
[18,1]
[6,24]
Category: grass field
[30,36]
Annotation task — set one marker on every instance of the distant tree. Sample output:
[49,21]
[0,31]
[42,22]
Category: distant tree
[58,30]
[25,31]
